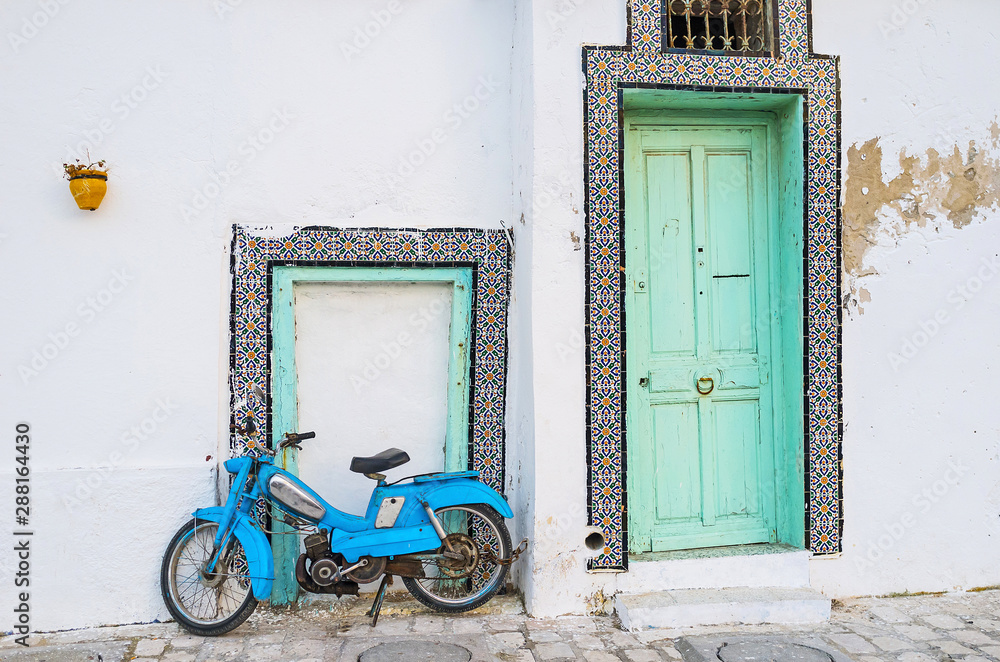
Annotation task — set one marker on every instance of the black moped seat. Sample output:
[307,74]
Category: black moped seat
[378,463]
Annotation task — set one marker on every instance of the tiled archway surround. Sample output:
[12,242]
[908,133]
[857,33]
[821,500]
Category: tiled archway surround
[485,252]
[644,63]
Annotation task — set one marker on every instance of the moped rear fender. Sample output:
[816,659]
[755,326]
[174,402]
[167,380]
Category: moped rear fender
[412,531]
[255,545]
[450,492]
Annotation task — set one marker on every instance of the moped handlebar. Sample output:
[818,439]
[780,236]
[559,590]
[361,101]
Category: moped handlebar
[293,439]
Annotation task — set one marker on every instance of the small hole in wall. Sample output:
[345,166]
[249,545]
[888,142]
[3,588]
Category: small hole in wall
[864,190]
[595,541]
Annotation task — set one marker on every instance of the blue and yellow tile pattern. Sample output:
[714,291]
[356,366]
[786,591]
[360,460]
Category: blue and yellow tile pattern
[791,68]
[486,252]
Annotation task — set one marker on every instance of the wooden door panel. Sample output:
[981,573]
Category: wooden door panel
[732,315]
[734,376]
[673,379]
[671,272]
[728,211]
[676,460]
[727,205]
[738,479]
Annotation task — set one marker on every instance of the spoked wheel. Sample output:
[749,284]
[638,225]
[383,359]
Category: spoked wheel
[471,575]
[206,604]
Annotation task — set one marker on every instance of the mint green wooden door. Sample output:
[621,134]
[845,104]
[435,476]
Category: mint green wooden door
[699,401]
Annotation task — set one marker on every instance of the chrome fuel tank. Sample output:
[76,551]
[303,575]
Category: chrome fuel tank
[292,494]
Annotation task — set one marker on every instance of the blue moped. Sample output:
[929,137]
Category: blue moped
[443,533]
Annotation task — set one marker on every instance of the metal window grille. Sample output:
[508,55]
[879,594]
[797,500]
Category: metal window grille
[731,26]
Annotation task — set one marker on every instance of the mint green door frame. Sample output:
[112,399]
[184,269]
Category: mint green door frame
[284,389]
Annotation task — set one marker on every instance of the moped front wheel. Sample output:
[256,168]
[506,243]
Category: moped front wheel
[479,536]
[206,604]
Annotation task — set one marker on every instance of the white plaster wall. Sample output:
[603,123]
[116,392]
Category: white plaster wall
[520,467]
[372,367]
[204,92]
[559,582]
[310,132]
[921,438]
[907,431]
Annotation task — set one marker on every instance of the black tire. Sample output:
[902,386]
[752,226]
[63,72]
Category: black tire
[488,577]
[231,590]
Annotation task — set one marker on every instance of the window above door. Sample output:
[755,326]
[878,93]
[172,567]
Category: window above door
[729,27]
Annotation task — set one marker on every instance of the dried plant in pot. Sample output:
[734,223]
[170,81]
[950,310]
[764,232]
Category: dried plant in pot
[87,182]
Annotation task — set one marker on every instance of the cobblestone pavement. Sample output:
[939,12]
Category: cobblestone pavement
[926,628]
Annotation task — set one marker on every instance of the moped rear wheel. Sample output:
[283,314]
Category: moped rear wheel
[479,534]
[203,604]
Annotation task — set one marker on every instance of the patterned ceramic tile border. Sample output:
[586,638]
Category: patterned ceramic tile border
[644,63]
[486,252]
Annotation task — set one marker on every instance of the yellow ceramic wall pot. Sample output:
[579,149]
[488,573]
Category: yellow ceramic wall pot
[88,188]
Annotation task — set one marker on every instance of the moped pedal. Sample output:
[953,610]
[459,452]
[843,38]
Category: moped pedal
[379,596]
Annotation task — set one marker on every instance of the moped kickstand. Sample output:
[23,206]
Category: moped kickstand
[379,596]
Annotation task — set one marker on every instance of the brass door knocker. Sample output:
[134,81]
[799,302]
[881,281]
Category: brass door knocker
[705,385]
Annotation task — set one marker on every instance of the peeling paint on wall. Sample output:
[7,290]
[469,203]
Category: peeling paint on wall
[930,190]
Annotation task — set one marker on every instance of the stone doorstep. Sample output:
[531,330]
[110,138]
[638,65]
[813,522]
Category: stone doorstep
[670,571]
[696,607]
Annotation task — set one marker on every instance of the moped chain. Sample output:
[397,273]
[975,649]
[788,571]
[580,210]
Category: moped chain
[492,558]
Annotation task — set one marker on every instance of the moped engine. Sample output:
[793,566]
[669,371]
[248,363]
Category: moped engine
[317,571]
[324,572]
[367,569]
